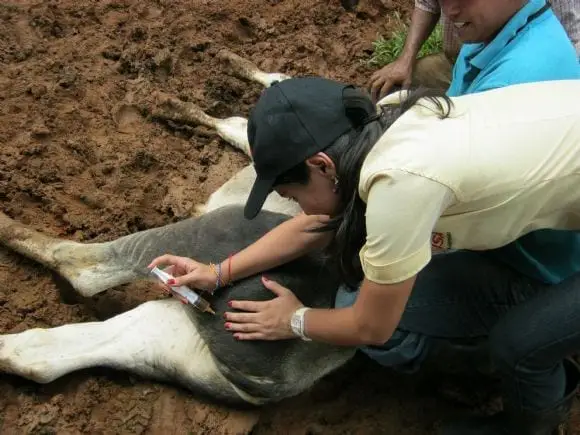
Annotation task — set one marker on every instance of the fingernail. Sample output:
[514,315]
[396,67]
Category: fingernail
[265,278]
[230,304]
[170,281]
[237,337]
[227,326]
[225,315]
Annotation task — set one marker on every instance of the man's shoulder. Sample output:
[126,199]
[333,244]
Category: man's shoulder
[543,39]
[541,52]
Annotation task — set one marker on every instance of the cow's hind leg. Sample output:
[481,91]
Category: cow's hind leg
[233,129]
[94,267]
[90,268]
[157,340]
[249,70]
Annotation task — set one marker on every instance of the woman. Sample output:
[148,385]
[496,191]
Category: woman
[380,191]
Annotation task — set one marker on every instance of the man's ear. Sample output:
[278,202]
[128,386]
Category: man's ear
[322,164]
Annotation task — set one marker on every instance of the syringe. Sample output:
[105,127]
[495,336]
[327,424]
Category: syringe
[185,292]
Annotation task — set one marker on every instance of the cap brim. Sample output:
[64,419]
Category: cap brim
[260,191]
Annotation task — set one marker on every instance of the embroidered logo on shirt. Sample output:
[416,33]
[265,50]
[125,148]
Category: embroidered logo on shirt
[441,240]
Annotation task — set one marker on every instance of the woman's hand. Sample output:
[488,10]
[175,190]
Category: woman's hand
[267,320]
[187,272]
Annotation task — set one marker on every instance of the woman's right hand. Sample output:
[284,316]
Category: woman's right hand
[187,272]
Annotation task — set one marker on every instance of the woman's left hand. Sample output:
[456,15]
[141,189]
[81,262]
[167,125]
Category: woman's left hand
[267,320]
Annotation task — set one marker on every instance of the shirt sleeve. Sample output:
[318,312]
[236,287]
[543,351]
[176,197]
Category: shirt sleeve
[431,6]
[402,210]
[568,12]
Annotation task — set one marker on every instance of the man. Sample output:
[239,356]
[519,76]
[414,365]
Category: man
[435,70]
[506,42]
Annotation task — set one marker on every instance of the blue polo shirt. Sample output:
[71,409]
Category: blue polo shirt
[532,46]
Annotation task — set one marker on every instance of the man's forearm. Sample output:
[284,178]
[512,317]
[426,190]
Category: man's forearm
[422,24]
[284,243]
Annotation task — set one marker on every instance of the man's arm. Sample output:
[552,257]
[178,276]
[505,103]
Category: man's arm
[400,71]
[424,19]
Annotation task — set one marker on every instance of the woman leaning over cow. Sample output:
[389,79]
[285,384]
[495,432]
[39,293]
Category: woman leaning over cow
[379,191]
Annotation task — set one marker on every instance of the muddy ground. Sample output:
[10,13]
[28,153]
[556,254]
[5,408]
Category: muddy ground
[80,158]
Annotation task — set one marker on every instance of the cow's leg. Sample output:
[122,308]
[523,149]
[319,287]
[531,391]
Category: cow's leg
[94,267]
[157,340]
[90,268]
[248,70]
[232,129]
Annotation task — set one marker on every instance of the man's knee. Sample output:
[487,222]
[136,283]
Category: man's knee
[506,347]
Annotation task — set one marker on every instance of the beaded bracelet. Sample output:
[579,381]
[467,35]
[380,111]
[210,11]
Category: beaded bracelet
[230,269]
[218,272]
[217,269]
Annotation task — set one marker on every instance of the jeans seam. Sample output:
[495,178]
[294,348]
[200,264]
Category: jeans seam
[530,354]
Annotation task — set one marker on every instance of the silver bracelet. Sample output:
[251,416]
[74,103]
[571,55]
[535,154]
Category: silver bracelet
[297,323]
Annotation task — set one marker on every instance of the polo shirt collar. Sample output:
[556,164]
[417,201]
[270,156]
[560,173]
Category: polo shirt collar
[484,54]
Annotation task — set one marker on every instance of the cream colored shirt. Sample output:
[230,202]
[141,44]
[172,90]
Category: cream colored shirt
[505,163]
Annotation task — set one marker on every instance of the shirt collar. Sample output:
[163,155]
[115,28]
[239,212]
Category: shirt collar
[483,54]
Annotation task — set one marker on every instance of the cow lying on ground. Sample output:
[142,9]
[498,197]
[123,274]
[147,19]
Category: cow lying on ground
[165,339]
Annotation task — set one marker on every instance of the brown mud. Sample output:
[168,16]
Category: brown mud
[80,158]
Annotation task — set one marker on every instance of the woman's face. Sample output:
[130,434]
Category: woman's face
[319,195]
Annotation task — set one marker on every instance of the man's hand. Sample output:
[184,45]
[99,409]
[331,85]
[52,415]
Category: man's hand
[397,73]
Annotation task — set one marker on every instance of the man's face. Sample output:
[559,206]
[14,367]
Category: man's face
[479,20]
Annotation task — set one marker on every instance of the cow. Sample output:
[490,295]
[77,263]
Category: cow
[164,339]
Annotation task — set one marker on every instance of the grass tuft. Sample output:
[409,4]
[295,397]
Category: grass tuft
[387,50]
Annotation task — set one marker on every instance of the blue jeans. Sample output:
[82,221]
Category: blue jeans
[530,326]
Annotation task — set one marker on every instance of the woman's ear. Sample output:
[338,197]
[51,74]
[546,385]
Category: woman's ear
[322,164]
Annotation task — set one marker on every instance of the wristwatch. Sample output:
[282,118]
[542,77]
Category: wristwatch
[297,323]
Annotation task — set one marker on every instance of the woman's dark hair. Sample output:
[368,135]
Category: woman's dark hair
[348,153]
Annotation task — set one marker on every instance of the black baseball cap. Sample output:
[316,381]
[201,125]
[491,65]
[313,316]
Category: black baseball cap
[292,120]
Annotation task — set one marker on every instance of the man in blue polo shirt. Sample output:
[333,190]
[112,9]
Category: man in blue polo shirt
[465,294]
[530,46]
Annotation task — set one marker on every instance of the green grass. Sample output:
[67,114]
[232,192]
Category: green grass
[387,50]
